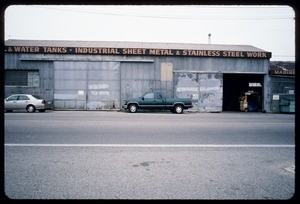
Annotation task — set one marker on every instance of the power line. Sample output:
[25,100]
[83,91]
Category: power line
[283,55]
[172,17]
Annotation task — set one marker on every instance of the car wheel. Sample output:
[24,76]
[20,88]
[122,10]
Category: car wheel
[30,109]
[178,109]
[133,108]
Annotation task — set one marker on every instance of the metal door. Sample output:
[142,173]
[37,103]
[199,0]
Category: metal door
[205,89]
[86,85]
[103,90]
[186,86]
[210,92]
[137,78]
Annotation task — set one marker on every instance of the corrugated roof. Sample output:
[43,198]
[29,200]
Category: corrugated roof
[120,44]
[282,65]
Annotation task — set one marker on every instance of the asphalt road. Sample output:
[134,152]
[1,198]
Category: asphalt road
[118,155]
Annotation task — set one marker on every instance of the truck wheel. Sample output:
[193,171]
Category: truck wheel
[178,109]
[132,108]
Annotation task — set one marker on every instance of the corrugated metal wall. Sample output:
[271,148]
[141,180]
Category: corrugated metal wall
[283,87]
[103,80]
[89,82]
[46,76]
[86,85]
[137,78]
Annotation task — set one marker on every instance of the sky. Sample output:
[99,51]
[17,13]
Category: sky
[271,28]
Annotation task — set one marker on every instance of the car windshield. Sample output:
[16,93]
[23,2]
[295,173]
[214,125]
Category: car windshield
[37,97]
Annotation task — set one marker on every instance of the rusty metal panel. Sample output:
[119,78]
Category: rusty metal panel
[206,90]
[186,86]
[211,92]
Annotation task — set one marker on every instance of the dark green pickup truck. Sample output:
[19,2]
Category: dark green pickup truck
[156,100]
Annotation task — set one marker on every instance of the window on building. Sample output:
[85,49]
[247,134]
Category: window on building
[254,84]
[22,78]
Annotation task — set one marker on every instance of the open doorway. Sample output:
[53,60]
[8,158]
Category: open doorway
[236,85]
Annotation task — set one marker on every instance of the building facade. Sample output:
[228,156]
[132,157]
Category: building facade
[282,78]
[80,75]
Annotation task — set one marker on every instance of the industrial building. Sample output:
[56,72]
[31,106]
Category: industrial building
[282,74]
[88,75]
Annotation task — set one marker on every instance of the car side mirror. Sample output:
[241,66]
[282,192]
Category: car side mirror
[143,98]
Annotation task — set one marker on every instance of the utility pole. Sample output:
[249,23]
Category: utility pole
[209,41]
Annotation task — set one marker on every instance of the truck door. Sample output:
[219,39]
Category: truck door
[152,100]
[160,100]
[148,100]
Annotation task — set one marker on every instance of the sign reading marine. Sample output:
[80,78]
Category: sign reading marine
[137,51]
[282,72]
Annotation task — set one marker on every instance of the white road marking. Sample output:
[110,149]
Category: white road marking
[150,145]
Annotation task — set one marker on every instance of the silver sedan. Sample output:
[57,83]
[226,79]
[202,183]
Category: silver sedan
[27,102]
